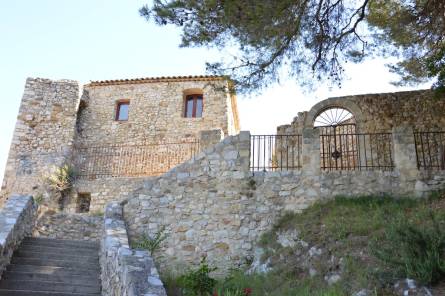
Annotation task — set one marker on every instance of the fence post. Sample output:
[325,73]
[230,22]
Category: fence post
[208,138]
[405,159]
[311,151]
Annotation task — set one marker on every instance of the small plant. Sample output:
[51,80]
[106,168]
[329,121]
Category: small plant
[152,244]
[414,251]
[252,184]
[62,178]
[198,282]
[61,181]
[233,292]
[38,199]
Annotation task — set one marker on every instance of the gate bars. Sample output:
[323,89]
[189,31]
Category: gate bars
[275,152]
[356,151]
[338,151]
[430,150]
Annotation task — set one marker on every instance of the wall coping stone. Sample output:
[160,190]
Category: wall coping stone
[125,271]
[17,219]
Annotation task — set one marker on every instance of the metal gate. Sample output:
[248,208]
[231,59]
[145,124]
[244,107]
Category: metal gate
[342,148]
[339,147]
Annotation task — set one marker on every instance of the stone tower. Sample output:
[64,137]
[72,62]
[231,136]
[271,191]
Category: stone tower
[44,133]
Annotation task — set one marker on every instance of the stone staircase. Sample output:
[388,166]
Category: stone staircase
[53,267]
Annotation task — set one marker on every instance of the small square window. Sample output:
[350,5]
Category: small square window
[122,111]
[193,106]
[83,203]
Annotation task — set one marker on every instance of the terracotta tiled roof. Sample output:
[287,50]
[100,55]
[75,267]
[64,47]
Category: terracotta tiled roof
[156,79]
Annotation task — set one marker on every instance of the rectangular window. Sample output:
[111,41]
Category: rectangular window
[193,106]
[122,111]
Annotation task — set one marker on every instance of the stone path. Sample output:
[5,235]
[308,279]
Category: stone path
[44,267]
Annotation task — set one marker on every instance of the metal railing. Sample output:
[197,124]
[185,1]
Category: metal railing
[430,150]
[356,151]
[121,160]
[275,152]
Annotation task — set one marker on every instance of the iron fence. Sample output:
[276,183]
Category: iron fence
[356,151]
[275,152]
[430,150]
[120,160]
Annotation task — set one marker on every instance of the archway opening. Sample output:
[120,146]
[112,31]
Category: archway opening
[338,139]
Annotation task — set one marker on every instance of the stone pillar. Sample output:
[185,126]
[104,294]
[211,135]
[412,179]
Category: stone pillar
[311,151]
[208,138]
[405,159]
[243,147]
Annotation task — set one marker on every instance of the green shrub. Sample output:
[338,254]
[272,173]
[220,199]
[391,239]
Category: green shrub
[198,282]
[152,244]
[412,250]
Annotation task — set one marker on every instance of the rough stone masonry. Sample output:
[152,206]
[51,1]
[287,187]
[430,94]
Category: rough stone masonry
[206,195]
[62,122]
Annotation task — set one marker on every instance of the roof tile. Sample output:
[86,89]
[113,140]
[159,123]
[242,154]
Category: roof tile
[156,79]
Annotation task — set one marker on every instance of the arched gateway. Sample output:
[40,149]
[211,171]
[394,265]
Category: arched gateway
[338,138]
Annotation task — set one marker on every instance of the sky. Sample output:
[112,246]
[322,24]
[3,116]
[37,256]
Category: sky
[88,40]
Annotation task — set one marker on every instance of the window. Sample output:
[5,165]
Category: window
[193,106]
[122,111]
[83,203]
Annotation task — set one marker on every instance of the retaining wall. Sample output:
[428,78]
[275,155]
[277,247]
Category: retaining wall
[214,206]
[17,219]
[125,272]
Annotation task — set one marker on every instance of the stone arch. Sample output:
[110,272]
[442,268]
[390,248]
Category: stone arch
[192,91]
[342,102]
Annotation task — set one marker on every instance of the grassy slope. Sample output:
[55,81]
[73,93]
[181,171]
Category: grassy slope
[344,228]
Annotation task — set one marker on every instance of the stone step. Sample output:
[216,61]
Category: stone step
[36,293]
[38,241]
[60,278]
[52,270]
[57,249]
[93,258]
[53,267]
[43,286]
[80,264]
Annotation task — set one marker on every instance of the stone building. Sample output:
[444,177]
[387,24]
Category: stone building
[167,154]
[129,129]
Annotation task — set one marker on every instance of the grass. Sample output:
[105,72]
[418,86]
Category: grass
[271,284]
[348,228]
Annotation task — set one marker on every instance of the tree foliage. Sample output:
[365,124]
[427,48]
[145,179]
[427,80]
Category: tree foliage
[312,39]
[416,30]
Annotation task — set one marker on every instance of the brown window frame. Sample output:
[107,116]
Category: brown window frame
[195,103]
[118,110]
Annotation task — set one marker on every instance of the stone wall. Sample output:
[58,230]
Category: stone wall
[214,206]
[156,112]
[56,125]
[44,133]
[125,272]
[423,110]
[69,226]
[102,192]
[16,222]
